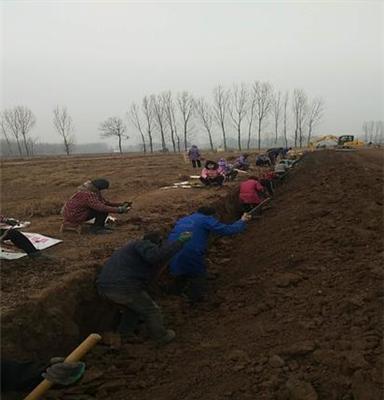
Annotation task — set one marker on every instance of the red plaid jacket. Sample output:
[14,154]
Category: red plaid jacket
[79,207]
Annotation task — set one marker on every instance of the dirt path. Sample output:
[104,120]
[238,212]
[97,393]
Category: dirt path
[301,301]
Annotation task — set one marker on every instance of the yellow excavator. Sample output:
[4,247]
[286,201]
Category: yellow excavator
[340,142]
[349,142]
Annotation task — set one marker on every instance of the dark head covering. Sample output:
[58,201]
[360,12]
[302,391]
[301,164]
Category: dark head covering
[100,184]
[213,163]
[206,210]
[154,237]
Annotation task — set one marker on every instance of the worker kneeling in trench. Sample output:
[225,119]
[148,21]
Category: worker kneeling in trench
[124,279]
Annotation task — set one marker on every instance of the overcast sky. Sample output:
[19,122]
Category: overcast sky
[98,57]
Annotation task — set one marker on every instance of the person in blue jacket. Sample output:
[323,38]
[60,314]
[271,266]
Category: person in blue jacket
[188,265]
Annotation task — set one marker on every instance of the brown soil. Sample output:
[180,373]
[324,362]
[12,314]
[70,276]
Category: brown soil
[299,296]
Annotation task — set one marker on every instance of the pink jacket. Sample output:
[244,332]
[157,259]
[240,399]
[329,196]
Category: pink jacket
[209,173]
[249,191]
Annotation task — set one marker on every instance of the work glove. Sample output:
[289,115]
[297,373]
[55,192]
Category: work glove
[184,237]
[127,203]
[64,373]
[246,217]
[122,209]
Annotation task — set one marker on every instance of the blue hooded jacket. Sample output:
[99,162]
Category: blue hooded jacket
[190,260]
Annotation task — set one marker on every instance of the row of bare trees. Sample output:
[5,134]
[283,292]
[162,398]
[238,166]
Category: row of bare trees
[172,120]
[16,125]
[244,108]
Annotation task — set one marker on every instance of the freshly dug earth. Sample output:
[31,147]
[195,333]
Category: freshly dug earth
[296,312]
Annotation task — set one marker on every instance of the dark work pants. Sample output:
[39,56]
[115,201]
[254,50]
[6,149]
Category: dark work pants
[20,241]
[193,287]
[267,183]
[137,306]
[218,180]
[100,218]
[196,163]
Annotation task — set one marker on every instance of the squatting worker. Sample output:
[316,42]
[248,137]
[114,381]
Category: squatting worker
[125,277]
[211,175]
[188,265]
[88,203]
[251,193]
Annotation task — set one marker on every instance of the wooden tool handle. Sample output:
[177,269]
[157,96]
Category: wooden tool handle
[75,356]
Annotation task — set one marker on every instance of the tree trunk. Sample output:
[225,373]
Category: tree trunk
[249,135]
[185,137]
[163,145]
[173,140]
[239,136]
[144,145]
[276,133]
[210,140]
[150,141]
[285,131]
[121,151]
[224,137]
[309,134]
[66,146]
[19,147]
[25,144]
[259,135]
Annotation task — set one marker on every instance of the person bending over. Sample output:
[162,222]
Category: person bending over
[125,277]
[251,192]
[88,203]
[188,266]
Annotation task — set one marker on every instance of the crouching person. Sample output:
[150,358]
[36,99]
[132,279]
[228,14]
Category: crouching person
[211,175]
[88,203]
[124,280]
[251,193]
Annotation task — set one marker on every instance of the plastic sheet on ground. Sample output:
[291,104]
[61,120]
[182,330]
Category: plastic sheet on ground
[10,252]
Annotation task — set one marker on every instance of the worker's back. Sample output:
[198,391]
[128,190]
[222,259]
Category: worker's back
[125,265]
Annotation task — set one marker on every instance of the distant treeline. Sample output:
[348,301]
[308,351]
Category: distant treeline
[243,116]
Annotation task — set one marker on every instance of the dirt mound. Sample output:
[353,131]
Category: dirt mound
[296,310]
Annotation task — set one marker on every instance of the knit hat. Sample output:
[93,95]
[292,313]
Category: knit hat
[100,184]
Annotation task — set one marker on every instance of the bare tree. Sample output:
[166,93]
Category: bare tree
[133,116]
[263,95]
[64,127]
[276,110]
[238,108]
[114,127]
[285,106]
[5,131]
[204,112]
[160,118]
[147,109]
[220,109]
[19,121]
[25,122]
[315,113]
[186,103]
[176,130]
[299,110]
[169,115]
